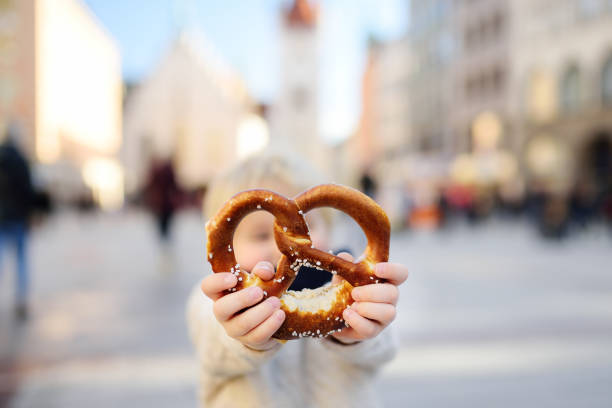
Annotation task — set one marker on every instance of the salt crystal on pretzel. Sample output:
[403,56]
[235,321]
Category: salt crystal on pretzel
[309,312]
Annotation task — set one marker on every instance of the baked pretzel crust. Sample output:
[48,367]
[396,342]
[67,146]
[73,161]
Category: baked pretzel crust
[309,313]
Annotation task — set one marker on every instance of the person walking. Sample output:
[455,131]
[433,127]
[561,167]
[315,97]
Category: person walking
[162,196]
[16,195]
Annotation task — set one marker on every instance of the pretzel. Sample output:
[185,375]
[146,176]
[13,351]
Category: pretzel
[309,312]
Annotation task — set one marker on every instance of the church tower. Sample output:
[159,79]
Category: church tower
[294,116]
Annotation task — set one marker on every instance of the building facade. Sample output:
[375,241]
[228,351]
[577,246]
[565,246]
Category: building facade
[432,42]
[564,99]
[60,84]
[539,69]
[188,110]
[384,135]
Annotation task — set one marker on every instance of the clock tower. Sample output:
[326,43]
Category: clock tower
[294,116]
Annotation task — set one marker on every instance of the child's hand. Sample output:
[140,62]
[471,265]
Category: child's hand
[374,306]
[252,325]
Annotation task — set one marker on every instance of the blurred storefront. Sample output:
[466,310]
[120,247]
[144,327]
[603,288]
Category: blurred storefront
[512,98]
[540,67]
[565,66]
[60,82]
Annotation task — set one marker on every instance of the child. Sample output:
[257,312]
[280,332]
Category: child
[240,364]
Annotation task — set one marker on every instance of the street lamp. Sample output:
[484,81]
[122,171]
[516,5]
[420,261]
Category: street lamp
[486,131]
[253,135]
[105,179]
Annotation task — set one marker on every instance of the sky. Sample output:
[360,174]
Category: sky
[246,34]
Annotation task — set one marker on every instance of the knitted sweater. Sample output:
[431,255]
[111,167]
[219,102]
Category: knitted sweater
[300,373]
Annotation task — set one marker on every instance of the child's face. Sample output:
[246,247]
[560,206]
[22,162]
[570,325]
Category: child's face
[254,238]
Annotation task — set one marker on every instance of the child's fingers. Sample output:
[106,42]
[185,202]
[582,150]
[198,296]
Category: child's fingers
[213,285]
[346,256]
[230,304]
[364,327]
[393,273]
[263,269]
[336,279]
[378,293]
[384,313]
[252,317]
[265,330]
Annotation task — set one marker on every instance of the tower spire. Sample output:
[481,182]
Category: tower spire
[184,14]
[301,14]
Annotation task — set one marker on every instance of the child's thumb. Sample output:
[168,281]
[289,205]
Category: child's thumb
[263,269]
[347,257]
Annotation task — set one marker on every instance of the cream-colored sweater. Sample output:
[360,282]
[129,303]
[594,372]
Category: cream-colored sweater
[300,373]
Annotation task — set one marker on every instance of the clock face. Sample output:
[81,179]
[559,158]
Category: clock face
[299,98]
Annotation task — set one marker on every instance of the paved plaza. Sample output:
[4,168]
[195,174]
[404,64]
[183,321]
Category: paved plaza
[491,316]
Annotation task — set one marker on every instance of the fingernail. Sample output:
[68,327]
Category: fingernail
[230,279]
[379,269]
[279,314]
[348,312]
[356,293]
[255,292]
[273,301]
[264,265]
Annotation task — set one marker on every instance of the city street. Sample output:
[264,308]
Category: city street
[491,316]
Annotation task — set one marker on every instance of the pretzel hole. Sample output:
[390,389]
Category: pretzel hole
[329,228]
[342,233]
[253,240]
[310,278]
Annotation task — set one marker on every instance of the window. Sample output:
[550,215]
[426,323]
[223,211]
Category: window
[570,90]
[541,97]
[483,31]
[470,37]
[499,79]
[445,47]
[469,88]
[299,98]
[590,8]
[606,82]
[497,23]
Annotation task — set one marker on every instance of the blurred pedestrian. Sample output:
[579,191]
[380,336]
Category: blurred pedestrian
[583,203]
[368,184]
[162,196]
[606,209]
[554,217]
[16,195]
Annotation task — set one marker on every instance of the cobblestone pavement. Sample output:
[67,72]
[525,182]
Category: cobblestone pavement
[491,316]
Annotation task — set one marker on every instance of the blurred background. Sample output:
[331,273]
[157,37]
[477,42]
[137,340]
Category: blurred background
[483,127]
